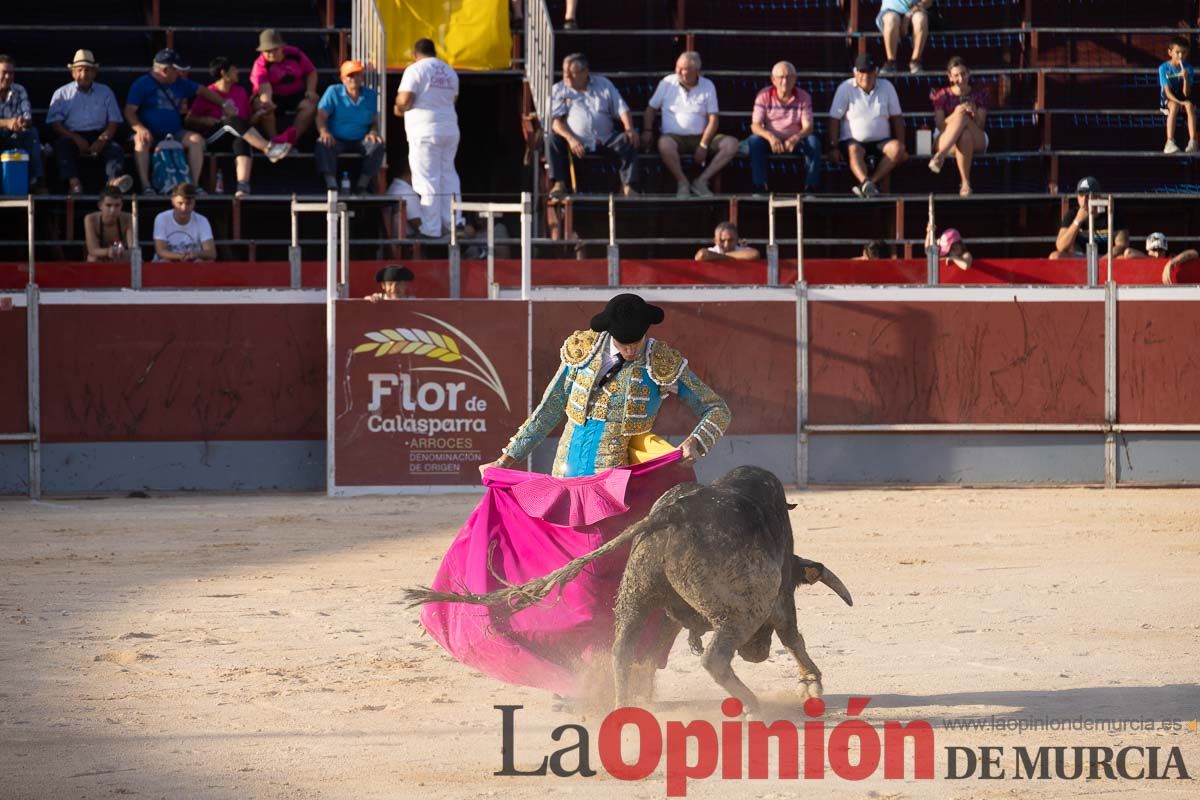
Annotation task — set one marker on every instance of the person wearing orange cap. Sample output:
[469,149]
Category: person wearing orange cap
[348,121]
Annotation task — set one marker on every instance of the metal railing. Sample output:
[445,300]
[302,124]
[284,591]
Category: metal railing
[368,44]
[539,57]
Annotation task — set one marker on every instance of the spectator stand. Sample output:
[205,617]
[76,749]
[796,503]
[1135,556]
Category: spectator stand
[1063,89]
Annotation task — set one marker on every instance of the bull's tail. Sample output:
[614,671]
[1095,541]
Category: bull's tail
[513,598]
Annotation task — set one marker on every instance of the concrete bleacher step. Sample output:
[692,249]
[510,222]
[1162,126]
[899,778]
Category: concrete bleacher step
[1092,13]
[259,13]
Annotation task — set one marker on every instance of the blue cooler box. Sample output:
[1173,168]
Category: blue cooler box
[14,164]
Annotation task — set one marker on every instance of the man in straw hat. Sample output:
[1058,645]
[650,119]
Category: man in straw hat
[611,385]
[284,80]
[85,116]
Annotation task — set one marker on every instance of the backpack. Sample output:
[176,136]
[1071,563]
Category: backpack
[169,167]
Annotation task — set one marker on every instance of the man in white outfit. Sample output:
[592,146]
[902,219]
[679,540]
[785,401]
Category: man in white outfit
[425,100]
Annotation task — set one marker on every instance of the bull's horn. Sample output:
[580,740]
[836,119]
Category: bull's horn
[835,583]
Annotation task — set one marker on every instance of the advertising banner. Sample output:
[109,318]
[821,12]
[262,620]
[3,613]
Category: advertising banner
[426,391]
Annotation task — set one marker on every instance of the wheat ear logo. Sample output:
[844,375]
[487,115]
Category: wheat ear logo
[440,346]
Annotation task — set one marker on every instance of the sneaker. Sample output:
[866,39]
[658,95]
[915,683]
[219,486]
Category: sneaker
[683,189]
[1171,148]
[278,151]
[869,190]
[149,191]
[888,68]
[856,191]
[700,188]
[124,183]
[243,188]
[914,67]
[569,25]
[558,192]
[1193,146]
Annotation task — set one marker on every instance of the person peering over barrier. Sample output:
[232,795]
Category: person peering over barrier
[727,246]
[181,233]
[393,283]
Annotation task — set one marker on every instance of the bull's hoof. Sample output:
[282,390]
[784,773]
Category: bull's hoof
[810,686]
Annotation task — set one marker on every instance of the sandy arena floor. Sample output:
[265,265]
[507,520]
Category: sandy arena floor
[245,647]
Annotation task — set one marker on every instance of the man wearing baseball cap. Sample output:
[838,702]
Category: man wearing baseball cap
[154,109]
[348,121]
[1174,271]
[1073,233]
[84,116]
[865,122]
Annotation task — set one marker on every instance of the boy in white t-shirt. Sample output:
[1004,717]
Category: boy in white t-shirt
[425,100]
[181,234]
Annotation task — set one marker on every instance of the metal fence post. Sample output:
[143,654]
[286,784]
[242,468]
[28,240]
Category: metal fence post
[614,253]
[135,255]
[331,294]
[34,393]
[294,270]
[1111,462]
[802,465]
[772,247]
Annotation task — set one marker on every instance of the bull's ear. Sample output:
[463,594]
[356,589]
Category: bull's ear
[791,506]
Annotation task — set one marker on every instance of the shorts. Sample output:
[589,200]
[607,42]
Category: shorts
[287,103]
[874,149]
[226,137]
[1162,102]
[899,7]
[688,143]
[987,140]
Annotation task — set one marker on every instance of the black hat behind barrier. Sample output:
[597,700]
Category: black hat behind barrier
[627,317]
[393,273]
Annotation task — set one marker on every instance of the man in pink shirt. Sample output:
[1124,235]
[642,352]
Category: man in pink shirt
[283,80]
[782,124]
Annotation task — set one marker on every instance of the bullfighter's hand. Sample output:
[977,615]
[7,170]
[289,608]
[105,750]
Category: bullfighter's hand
[502,462]
[690,450]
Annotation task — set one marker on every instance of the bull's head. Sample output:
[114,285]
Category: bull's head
[810,572]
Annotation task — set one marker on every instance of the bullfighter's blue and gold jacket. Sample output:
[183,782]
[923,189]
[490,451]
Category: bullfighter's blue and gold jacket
[600,422]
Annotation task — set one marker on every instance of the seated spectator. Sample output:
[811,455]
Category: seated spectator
[84,116]
[477,235]
[865,122]
[894,20]
[16,121]
[951,247]
[726,246]
[782,124]
[154,109]
[690,123]
[284,81]
[232,132]
[1121,248]
[959,119]
[181,233]
[348,120]
[109,231]
[401,187]
[874,250]
[582,109]
[1073,233]
[1176,77]
[393,283]
[1173,271]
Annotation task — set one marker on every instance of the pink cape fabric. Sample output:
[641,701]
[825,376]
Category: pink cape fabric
[539,523]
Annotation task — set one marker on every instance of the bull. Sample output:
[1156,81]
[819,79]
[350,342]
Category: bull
[714,558]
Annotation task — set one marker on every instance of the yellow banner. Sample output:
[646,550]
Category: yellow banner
[469,34]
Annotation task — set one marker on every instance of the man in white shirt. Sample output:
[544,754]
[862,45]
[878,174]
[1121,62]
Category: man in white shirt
[180,234]
[865,122]
[689,105]
[425,100]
